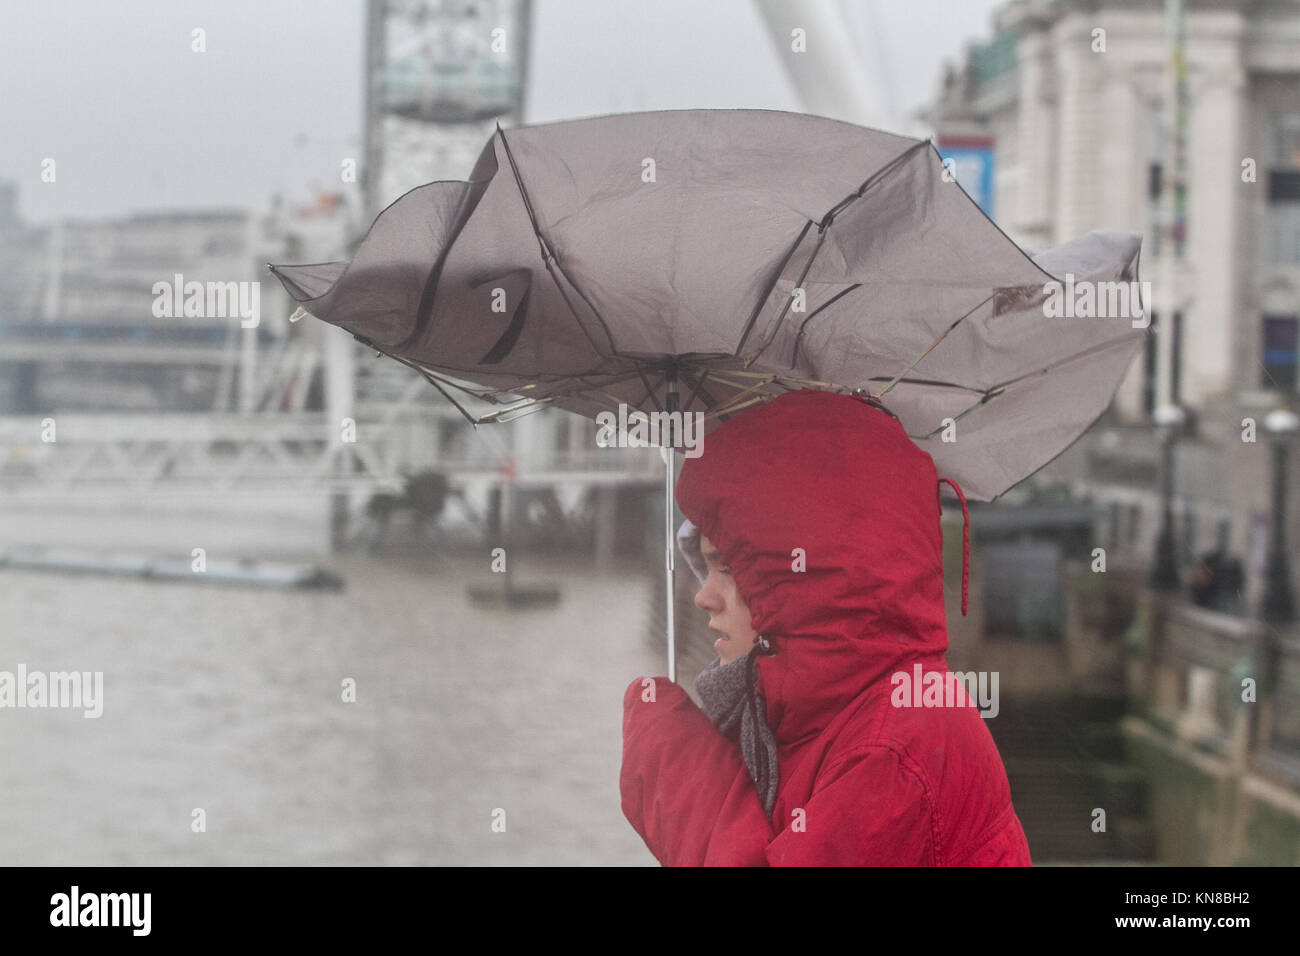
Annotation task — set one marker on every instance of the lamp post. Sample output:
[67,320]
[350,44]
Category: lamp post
[1278,606]
[1164,574]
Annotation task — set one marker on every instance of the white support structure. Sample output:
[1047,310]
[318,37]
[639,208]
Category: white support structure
[828,76]
[217,454]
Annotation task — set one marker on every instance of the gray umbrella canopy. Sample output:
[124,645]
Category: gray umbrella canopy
[732,255]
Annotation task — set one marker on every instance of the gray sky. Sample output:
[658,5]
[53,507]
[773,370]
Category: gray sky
[135,120]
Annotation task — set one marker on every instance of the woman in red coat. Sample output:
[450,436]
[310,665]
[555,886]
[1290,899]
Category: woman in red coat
[823,574]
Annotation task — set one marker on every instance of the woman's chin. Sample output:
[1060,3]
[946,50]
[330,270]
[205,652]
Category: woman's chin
[726,649]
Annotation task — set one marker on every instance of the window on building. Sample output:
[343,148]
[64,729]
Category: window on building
[1149,356]
[448,434]
[1151,364]
[1284,185]
[1284,191]
[1176,362]
[1280,339]
[1284,233]
[1187,540]
[1155,179]
[1286,144]
[1023,597]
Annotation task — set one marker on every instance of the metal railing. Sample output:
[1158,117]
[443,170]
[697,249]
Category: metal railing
[209,453]
[1227,684]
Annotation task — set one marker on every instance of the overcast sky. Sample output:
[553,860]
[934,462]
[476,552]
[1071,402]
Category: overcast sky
[135,121]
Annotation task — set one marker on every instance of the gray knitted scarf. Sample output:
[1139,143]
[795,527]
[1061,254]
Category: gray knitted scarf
[731,700]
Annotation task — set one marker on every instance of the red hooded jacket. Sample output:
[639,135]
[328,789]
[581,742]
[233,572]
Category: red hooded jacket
[861,781]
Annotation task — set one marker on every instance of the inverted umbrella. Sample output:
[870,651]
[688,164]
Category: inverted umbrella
[707,260]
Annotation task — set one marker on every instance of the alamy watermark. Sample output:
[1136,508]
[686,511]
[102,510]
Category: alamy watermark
[1097,300]
[75,908]
[946,689]
[62,689]
[638,429]
[211,300]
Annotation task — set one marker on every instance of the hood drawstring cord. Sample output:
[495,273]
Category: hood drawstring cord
[965,545]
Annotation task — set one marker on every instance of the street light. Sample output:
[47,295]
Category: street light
[1278,605]
[1168,420]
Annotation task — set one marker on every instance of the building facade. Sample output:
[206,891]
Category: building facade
[1072,97]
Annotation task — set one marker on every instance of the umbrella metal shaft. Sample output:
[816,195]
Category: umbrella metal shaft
[672,591]
[669,536]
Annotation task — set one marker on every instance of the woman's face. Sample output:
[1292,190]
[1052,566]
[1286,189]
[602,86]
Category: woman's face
[728,613]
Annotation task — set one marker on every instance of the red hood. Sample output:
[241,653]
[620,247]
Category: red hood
[839,478]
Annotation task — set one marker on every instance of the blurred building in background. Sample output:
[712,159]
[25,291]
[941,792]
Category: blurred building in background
[208,404]
[1178,119]
[1069,99]
[78,323]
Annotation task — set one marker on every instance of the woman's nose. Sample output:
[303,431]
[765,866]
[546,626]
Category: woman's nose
[705,598]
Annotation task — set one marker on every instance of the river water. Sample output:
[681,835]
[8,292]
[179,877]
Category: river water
[229,700]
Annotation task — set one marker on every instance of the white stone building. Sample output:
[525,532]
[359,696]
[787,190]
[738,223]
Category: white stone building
[1072,93]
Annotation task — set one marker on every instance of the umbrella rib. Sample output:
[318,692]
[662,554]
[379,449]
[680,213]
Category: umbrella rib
[490,395]
[931,381]
[991,393]
[584,382]
[822,228]
[649,390]
[548,256]
[798,339]
[434,382]
[871,180]
[539,378]
[994,390]
[821,239]
[734,403]
[584,389]
[776,277]
[698,389]
[731,409]
[723,409]
[524,408]
[584,386]
[941,337]
[806,382]
[1100,347]
[613,400]
[485,395]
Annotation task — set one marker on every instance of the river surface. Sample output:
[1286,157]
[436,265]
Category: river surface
[229,700]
